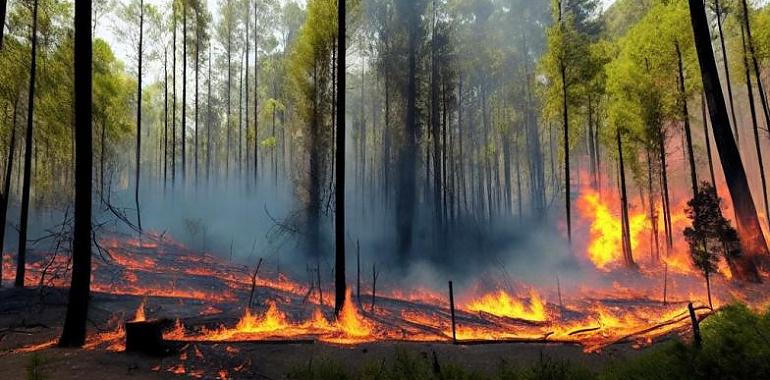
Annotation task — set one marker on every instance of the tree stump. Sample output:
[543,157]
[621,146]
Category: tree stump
[147,337]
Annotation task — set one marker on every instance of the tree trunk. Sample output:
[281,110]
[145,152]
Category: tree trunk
[754,121]
[21,260]
[565,114]
[208,123]
[339,162]
[749,42]
[183,132]
[139,116]
[74,330]
[408,155]
[256,95]
[708,142]
[7,185]
[165,118]
[686,119]
[173,99]
[747,221]
[3,9]
[197,77]
[628,256]
[727,70]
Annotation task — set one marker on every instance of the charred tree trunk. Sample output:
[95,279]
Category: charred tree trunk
[139,116]
[747,221]
[565,115]
[339,162]
[165,118]
[754,121]
[21,260]
[717,9]
[74,331]
[408,155]
[173,98]
[197,77]
[686,119]
[3,9]
[208,123]
[749,43]
[256,95]
[7,184]
[183,132]
[708,142]
[628,256]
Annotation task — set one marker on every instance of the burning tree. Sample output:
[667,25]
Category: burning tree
[711,234]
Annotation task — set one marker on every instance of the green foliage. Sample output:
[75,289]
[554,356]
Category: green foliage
[735,346]
[711,234]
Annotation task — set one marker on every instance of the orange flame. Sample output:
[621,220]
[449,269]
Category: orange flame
[503,305]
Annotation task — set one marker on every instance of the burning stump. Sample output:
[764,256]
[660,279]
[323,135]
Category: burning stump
[147,337]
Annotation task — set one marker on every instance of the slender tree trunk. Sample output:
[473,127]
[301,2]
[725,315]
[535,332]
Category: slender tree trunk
[3,9]
[256,95]
[21,260]
[755,122]
[749,42]
[339,162]
[686,118]
[747,221]
[628,256]
[408,155]
[139,116]
[208,123]
[7,185]
[74,330]
[183,132]
[708,142]
[727,70]
[565,114]
[173,99]
[165,118]
[197,77]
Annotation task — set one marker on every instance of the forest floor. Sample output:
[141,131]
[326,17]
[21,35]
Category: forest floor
[29,317]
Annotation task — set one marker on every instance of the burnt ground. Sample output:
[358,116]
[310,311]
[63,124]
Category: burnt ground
[33,316]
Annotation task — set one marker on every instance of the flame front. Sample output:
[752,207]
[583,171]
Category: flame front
[501,304]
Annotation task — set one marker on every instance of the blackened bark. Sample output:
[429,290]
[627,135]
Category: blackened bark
[749,43]
[21,260]
[74,331]
[754,121]
[7,184]
[256,95]
[408,155]
[165,118]
[139,116]
[747,221]
[565,115]
[173,97]
[727,70]
[628,256]
[708,142]
[3,9]
[183,132]
[208,123]
[197,77]
[339,162]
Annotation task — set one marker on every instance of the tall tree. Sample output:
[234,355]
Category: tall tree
[339,162]
[740,193]
[139,114]
[74,330]
[21,260]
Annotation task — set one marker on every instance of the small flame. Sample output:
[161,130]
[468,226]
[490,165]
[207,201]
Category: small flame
[140,316]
